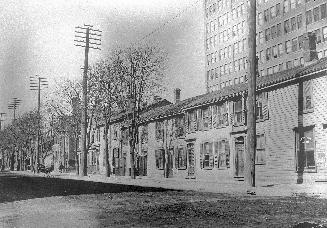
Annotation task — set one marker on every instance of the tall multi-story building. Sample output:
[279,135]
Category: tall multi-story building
[281,28]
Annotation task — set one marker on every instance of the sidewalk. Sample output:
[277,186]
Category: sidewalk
[238,188]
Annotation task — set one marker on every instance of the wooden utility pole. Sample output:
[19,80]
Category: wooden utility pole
[35,84]
[251,102]
[85,33]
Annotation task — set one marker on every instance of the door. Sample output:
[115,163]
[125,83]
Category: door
[170,162]
[191,160]
[239,156]
[119,162]
[142,165]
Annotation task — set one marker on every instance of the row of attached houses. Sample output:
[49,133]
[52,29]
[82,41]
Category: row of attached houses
[204,137]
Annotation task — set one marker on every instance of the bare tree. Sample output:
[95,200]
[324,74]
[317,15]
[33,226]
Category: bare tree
[145,66]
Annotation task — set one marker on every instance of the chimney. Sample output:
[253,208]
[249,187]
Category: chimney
[309,48]
[177,93]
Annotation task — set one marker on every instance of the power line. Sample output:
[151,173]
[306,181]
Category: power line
[168,21]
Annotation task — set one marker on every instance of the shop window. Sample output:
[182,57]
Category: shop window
[206,155]
[160,155]
[222,154]
[260,156]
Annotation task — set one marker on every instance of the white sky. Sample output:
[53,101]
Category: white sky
[37,38]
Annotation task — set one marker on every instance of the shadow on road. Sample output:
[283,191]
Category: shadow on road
[15,187]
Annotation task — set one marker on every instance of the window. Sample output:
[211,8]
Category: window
[288,46]
[287,26]
[279,29]
[160,154]
[281,67]
[280,49]
[220,115]
[293,4]
[222,154]
[260,156]
[270,70]
[159,130]
[238,111]
[206,118]
[318,36]
[262,106]
[260,19]
[293,23]
[144,134]
[286,6]
[192,121]
[268,34]
[273,12]
[308,17]
[294,44]
[278,10]
[273,32]
[275,51]
[299,21]
[324,34]
[179,126]
[268,54]
[301,39]
[206,155]
[266,15]
[307,95]
[316,14]
[296,62]
[124,136]
[308,145]
[276,69]
[323,11]
[181,157]
[289,65]
[262,57]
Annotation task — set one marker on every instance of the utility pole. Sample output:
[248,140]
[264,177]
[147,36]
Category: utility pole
[35,84]
[88,37]
[251,102]
[14,105]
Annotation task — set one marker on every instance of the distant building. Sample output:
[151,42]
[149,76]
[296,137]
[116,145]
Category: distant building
[281,29]
[204,137]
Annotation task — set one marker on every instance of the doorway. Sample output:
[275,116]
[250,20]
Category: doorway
[239,156]
[119,161]
[142,165]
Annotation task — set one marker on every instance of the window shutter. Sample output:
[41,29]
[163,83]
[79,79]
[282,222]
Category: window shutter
[214,117]
[201,155]
[227,151]
[216,164]
[211,161]
[186,122]
[176,157]
[231,112]
[210,116]
[265,112]
[157,158]
[200,120]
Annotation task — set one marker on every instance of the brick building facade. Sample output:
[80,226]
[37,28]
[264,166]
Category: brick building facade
[281,25]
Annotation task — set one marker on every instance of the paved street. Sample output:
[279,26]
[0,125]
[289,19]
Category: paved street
[34,201]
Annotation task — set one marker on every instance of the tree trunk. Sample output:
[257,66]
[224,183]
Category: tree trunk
[76,155]
[106,150]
